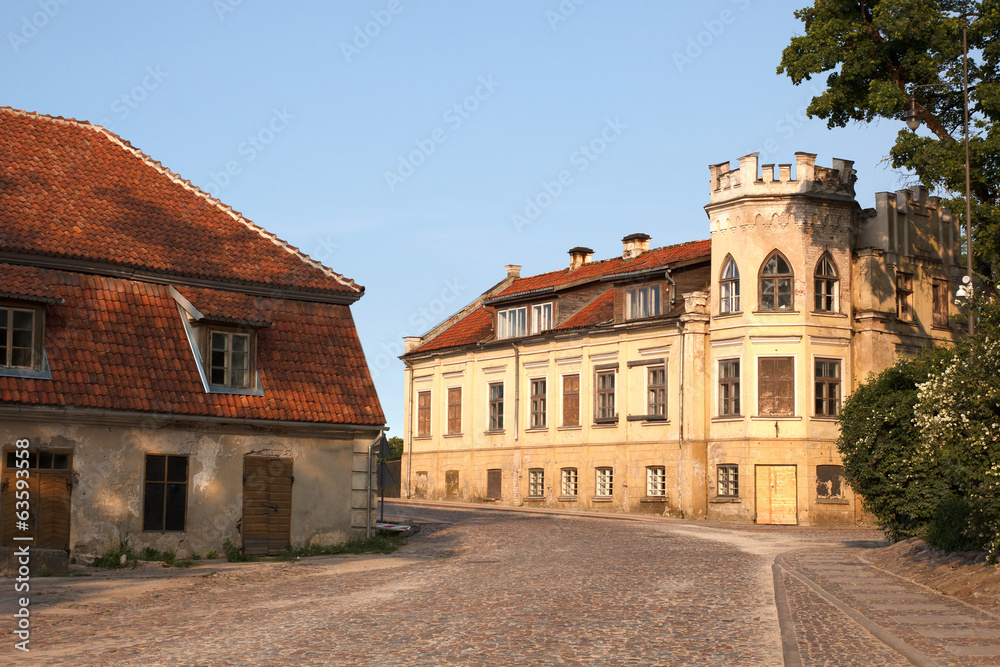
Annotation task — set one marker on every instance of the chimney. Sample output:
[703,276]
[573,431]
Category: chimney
[579,256]
[634,245]
[513,270]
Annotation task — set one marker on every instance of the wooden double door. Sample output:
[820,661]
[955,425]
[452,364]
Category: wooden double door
[777,499]
[47,497]
[267,505]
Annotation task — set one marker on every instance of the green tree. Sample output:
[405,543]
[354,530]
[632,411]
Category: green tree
[395,448]
[876,52]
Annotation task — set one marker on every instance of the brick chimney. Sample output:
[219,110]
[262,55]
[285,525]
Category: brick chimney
[513,270]
[634,245]
[579,256]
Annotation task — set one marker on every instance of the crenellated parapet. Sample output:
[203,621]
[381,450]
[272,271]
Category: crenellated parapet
[728,184]
[910,223]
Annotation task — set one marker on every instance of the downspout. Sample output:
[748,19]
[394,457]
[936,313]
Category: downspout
[673,292]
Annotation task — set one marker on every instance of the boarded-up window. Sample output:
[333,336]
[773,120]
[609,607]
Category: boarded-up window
[424,413]
[454,410]
[940,304]
[829,482]
[451,483]
[494,483]
[571,400]
[165,497]
[776,386]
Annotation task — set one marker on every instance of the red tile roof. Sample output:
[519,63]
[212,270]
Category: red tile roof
[233,307]
[75,190]
[477,326]
[120,344]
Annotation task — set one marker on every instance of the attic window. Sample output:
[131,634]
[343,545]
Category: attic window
[512,322]
[541,318]
[642,302]
[230,359]
[22,330]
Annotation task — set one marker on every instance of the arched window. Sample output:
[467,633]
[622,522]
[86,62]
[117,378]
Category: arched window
[827,285]
[776,283]
[729,288]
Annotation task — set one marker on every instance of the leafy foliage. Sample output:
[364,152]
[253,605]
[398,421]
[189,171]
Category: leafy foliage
[876,53]
[395,448]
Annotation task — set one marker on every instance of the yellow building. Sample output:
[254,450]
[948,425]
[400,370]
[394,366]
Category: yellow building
[697,380]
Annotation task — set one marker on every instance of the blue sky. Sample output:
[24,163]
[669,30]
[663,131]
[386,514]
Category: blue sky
[417,146]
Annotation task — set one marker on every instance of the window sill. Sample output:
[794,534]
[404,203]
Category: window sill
[537,429]
[646,418]
[724,499]
[569,428]
[222,389]
[724,316]
[940,327]
[734,418]
[776,418]
[494,432]
[33,373]
[452,435]
[422,437]
[653,499]
[775,312]
[613,424]
[533,499]
[568,499]
[655,422]
[909,323]
[829,313]
[602,499]
[605,420]
[832,501]
[823,418]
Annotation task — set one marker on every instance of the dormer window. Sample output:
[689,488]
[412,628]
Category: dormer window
[19,334]
[642,302]
[541,318]
[230,359]
[512,323]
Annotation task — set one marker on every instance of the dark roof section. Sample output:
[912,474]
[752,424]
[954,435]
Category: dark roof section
[120,345]
[76,191]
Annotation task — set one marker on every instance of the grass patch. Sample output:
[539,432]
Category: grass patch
[377,544]
[125,556]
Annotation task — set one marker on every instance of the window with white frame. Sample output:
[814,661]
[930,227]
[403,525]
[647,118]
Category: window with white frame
[19,338]
[568,484]
[642,302]
[230,359]
[656,391]
[541,317]
[605,482]
[536,482]
[729,388]
[729,480]
[656,481]
[538,401]
[512,322]
[729,288]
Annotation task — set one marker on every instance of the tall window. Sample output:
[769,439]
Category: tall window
[538,413]
[496,406]
[17,338]
[656,481]
[424,413]
[165,494]
[729,288]
[729,388]
[230,359]
[512,322]
[776,283]
[571,400]
[605,482]
[776,386]
[729,480]
[656,391]
[541,318]
[454,410]
[643,302]
[827,285]
[827,387]
[940,293]
[536,483]
[606,395]
[568,482]
[904,296]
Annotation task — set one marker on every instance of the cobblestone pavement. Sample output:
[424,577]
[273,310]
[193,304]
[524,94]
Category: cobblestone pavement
[484,587]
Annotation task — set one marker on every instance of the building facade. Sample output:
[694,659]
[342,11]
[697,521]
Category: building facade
[702,380]
[171,374]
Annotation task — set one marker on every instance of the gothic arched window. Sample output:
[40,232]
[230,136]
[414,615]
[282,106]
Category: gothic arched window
[827,285]
[729,288]
[776,283]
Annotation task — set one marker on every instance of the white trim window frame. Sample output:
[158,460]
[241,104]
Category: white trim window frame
[642,302]
[569,482]
[604,482]
[21,349]
[512,322]
[541,317]
[656,481]
[729,287]
[536,483]
[230,359]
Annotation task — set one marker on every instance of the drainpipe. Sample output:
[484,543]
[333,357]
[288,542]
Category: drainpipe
[673,292]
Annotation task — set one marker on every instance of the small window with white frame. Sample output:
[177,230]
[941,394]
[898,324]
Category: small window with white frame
[728,480]
[20,338]
[568,482]
[642,302]
[605,482]
[512,322]
[541,318]
[536,483]
[729,288]
[230,359]
[656,481]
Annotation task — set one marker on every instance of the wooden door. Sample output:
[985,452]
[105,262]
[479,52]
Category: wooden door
[494,479]
[48,496]
[776,495]
[267,505]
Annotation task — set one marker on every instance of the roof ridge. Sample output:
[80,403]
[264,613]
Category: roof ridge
[183,182]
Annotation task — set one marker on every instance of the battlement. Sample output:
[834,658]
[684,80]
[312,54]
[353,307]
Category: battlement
[728,184]
[911,223]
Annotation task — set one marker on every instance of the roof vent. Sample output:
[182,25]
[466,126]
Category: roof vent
[634,245]
[579,256]
[513,270]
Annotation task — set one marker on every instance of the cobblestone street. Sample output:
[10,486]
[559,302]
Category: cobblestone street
[486,587]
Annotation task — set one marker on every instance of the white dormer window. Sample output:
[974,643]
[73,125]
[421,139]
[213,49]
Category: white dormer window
[642,302]
[512,322]
[541,318]
[230,359]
